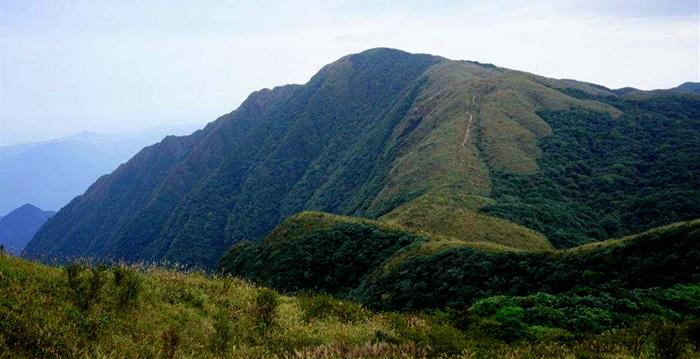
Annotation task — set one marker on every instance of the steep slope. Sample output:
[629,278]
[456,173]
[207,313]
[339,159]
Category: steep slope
[603,177]
[19,226]
[49,174]
[416,140]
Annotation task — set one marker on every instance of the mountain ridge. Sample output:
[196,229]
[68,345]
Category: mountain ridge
[379,134]
[50,173]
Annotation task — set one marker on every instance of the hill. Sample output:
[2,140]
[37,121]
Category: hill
[19,226]
[148,312]
[50,173]
[453,148]
[689,87]
[390,268]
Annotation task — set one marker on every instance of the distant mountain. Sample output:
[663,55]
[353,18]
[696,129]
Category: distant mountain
[50,173]
[458,149]
[18,227]
[689,87]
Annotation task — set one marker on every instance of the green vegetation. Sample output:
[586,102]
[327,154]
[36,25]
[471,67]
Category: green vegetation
[458,217]
[602,178]
[390,268]
[457,149]
[318,251]
[179,315]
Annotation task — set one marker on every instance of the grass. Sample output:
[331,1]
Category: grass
[175,314]
[612,243]
[457,217]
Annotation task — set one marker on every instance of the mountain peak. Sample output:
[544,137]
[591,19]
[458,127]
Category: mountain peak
[29,206]
[18,227]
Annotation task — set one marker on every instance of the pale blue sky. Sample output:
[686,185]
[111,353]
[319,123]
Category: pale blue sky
[68,66]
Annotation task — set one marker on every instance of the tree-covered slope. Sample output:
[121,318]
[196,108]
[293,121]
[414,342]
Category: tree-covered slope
[602,177]
[390,268]
[419,141]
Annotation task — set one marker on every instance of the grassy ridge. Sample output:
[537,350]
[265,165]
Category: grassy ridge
[458,216]
[387,267]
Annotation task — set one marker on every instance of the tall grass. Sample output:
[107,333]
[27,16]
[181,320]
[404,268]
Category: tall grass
[147,312]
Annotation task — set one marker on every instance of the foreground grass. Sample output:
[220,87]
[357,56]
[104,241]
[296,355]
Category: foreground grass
[148,312]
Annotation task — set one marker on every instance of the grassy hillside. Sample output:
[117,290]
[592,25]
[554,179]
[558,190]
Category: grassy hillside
[453,148]
[146,312]
[392,268]
[331,253]
[459,217]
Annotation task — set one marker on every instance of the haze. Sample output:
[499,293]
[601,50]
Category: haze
[71,66]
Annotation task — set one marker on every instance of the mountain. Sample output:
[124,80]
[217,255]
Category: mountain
[18,227]
[50,173]
[689,87]
[456,149]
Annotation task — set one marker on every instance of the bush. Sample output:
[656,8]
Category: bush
[670,341]
[96,281]
[266,308]
[511,320]
[127,284]
[323,306]
[79,287]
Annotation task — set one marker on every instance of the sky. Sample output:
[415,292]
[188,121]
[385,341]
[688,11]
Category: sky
[116,66]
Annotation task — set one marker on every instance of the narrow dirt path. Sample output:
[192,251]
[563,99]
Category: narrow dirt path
[469,127]
[469,124]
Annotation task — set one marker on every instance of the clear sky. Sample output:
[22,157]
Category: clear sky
[68,66]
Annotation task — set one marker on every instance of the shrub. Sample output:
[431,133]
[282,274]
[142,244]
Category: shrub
[512,326]
[96,282]
[266,307]
[127,284]
[670,341]
[80,289]
[323,306]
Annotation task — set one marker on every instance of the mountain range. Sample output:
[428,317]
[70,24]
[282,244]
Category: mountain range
[50,173]
[18,227]
[469,154]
